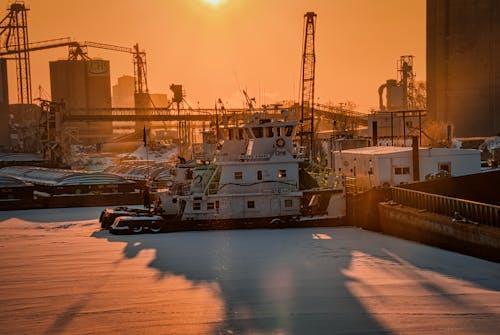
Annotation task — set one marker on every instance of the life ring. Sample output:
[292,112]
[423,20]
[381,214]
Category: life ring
[280,142]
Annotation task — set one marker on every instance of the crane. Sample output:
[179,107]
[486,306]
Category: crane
[139,60]
[14,41]
[79,50]
[14,38]
[307,85]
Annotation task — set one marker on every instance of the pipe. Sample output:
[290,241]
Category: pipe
[380,98]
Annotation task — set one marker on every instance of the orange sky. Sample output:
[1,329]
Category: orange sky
[217,50]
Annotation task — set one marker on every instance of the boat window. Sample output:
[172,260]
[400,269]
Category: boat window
[444,166]
[288,203]
[210,205]
[279,131]
[281,173]
[225,133]
[259,175]
[238,175]
[288,130]
[269,132]
[196,206]
[241,133]
[258,132]
[251,204]
[231,134]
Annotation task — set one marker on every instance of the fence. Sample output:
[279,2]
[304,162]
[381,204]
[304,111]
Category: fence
[459,209]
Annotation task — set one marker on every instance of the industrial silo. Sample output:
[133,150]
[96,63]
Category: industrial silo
[85,88]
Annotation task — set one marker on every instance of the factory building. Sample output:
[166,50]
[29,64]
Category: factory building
[123,92]
[463,65]
[85,88]
[387,165]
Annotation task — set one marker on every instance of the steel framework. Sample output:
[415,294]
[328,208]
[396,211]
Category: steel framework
[307,85]
[407,80]
[14,37]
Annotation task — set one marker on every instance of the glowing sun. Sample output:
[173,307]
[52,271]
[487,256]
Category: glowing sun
[213,2]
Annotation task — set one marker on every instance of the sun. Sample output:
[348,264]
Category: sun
[213,2]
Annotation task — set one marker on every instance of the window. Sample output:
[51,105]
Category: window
[259,175]
[288,203]
[444,166]
[258,132]
[196,206]
[401,170]
[238,175]
[269,132]
[231,134]
[288,130]
[251,204]
[210,205]
[279,131]
[281,173]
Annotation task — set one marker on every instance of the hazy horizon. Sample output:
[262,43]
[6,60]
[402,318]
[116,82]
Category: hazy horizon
[217,50]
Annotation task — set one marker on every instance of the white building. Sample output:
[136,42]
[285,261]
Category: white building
[386,165]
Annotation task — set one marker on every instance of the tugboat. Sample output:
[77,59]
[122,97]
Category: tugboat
[258,178]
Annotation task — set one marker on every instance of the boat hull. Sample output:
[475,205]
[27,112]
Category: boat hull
[169,225]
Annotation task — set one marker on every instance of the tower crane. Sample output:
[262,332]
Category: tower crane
[14,41]
[14,38]
[80,50]
[139,60]
[307,85]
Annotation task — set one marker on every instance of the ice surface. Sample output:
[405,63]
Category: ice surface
[60,275]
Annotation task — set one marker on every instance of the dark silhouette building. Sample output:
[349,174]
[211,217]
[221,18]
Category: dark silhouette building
[463,65]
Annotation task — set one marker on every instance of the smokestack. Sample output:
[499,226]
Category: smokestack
[374,133]
[415,158]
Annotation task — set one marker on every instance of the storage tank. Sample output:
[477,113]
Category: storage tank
[85,88]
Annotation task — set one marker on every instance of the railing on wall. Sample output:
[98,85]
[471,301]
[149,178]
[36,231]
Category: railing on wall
[459,209]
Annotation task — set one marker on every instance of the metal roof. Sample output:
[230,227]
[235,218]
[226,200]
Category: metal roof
[378,150]
[11,182]
[60,177]
[19,157]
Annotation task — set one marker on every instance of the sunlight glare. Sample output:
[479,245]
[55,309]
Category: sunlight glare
[213,2]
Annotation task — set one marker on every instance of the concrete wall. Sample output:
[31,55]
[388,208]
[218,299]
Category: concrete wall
[440,231]
[480,187]
[463,65]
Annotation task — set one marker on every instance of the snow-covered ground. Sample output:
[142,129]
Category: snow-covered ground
[93,161]
[60,275]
